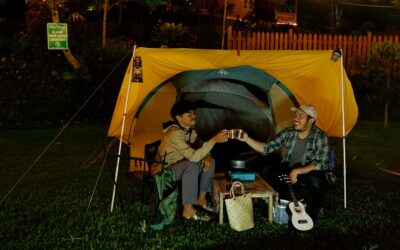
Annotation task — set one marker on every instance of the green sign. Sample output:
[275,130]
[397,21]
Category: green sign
[57,36]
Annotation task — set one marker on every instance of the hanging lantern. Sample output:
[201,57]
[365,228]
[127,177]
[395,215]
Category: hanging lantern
[336,54]
[137,74]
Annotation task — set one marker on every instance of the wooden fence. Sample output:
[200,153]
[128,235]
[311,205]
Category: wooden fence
[355,47]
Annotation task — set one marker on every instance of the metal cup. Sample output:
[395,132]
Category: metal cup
[239,133]
[231,134]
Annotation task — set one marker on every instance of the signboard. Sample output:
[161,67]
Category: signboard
[285,12]
[57,36]
[286,18]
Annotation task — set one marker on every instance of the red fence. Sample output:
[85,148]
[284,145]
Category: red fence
[355,47]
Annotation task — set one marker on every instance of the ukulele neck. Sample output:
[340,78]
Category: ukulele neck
[293,195]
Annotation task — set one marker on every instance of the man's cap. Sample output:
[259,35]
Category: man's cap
[181,107]
[306,108]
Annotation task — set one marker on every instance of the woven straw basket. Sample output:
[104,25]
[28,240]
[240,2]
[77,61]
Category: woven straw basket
[239,209]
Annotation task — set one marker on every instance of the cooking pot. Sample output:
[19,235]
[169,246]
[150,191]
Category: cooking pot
[240,163]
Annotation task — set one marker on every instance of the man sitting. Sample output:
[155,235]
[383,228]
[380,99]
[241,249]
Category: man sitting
[305,160]
[188,161]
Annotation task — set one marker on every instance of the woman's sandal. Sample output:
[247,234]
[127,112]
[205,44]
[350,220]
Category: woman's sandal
[199,216]
[208,207]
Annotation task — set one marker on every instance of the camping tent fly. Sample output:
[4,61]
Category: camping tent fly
[253,91]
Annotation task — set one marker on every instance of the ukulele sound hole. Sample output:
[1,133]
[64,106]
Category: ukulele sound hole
[302,221]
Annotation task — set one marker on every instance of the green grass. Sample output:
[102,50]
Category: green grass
[46,210]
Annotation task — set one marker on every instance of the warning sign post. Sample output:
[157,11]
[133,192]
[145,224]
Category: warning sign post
[57,36]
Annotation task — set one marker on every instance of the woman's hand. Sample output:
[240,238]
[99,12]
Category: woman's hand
[207,163]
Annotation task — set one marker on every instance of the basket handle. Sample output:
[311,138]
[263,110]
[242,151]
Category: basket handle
[236,184]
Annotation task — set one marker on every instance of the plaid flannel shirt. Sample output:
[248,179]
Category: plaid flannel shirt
[316,147]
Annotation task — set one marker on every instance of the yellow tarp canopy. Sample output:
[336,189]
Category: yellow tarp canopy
[311,77]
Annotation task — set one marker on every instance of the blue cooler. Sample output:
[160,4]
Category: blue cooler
[280,215]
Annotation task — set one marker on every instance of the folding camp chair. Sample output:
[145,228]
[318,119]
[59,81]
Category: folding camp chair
[330,174]
[150,154]
[331,166]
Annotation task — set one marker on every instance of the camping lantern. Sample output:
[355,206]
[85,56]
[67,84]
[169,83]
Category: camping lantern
[137,69]
[336,54]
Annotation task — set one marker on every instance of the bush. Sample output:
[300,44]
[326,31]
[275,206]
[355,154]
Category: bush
[40,87]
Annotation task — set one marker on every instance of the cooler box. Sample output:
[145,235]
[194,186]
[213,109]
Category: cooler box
[280,214]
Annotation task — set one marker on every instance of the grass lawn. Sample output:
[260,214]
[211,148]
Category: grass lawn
[46,210]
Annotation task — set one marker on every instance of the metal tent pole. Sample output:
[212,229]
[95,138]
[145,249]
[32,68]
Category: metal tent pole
[122,130]
[343,132]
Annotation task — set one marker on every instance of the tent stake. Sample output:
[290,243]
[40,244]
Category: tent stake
[122,131]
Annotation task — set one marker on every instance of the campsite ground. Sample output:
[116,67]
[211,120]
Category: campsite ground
[47,209]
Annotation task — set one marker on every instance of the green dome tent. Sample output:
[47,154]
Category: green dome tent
[237,97]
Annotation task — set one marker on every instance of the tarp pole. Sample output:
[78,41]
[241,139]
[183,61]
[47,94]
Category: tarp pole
[343,132]
[122,130]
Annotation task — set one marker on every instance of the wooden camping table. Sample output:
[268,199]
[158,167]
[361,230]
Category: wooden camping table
[258,188]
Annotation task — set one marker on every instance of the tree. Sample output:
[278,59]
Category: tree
[38,14]
[104,33]
[314,15]
[53,6]
[383,61]
[153,4]
[171,35]
[106,8]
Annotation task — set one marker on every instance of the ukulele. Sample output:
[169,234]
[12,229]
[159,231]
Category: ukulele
[300,219]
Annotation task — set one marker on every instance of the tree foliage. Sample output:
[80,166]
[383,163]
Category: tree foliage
[39,88]
[383,73]
[171,35]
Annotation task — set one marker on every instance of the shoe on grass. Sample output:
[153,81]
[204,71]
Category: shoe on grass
[199,216]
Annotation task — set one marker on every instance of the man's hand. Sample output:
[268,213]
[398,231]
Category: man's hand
[293,176]
[301,170]
[207,162]
[221,136]
[256,145]
[244,137]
